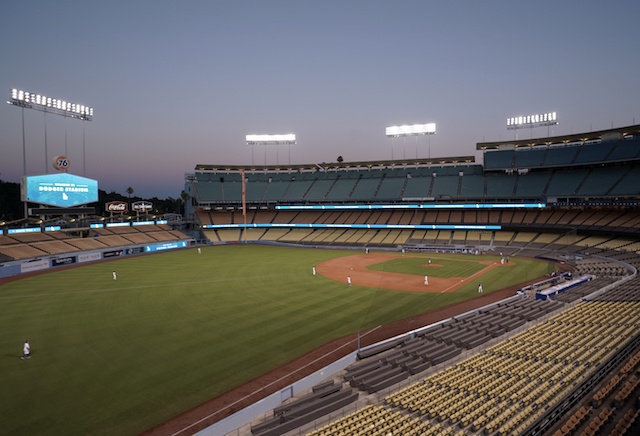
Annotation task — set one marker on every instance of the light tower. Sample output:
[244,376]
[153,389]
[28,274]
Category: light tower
[280,139]
[531,121]
[411,130]
[42,103]
[30,100]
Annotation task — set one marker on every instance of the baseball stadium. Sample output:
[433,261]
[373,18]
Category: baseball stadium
[437,296]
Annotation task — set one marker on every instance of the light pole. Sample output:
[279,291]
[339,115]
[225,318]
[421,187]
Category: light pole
[24,161]
[411,130]
[281,139]
[530,121]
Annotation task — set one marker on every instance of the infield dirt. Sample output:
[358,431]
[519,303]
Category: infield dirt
[356,267]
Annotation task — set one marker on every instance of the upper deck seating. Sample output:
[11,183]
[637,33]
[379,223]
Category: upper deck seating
[318,190]
[566,182]
[296,190]
[365,189]
[391,188]
[590,153]
[500,185]
[557,156]
[472,186]
[341,189]
[208,191]
[276,190]
[532,185]
[529,158]
[500,159]
[625,150]
[255,190]
[445,186]
[418,187]
[628,184]
[599,181]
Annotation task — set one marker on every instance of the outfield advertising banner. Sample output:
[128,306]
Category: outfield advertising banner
[61,261]
[114,253]
[165,246]
[89,257]
[61,190]
[36,265]
[25,230]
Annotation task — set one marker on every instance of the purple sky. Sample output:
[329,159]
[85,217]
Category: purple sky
[180,83]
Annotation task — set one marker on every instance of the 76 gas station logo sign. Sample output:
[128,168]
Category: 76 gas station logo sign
[61,163]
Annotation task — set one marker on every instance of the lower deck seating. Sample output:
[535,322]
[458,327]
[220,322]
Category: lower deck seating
[508,388]
[19,247]
[323,399]
[390,362]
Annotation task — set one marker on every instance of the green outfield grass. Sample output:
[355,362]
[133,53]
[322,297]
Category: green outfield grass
[175,329]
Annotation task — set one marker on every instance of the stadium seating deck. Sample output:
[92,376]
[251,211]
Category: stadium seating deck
[530,158]
[418,187]
[561,156]
[501,159]
[565,182]
[532,185]
[365,189]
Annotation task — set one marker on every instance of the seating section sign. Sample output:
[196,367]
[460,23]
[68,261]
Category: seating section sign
[62,190]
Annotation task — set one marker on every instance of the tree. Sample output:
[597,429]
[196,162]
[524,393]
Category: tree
[129,193]
[184,196]
[340,159]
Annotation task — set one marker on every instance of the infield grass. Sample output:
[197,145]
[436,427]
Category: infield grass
[443,265]
[176,329]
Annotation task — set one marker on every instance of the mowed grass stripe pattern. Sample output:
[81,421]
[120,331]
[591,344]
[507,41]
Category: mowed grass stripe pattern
[175,329]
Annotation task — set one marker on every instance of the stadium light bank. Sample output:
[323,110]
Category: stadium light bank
[43,103]
[279,139]
[411,130]
[30,100]
[531,121]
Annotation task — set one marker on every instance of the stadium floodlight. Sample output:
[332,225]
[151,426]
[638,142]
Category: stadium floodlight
[286,139]
[411,130]
[281,139]
[531,121]
[43,103]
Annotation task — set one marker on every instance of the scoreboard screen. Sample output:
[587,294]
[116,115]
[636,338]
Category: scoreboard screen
[61,190]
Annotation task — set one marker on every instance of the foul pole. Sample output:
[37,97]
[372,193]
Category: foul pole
[244,206]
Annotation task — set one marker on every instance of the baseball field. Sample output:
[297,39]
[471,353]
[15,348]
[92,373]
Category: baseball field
[178,328]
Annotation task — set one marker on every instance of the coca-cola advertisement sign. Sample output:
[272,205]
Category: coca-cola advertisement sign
[116,207]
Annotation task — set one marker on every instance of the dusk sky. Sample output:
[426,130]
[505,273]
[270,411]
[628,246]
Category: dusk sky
[180,83]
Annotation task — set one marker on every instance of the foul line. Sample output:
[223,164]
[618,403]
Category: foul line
[482,271]
[268,385]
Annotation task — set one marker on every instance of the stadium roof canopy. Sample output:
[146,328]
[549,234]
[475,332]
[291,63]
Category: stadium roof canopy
[601,135]
[335,166]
